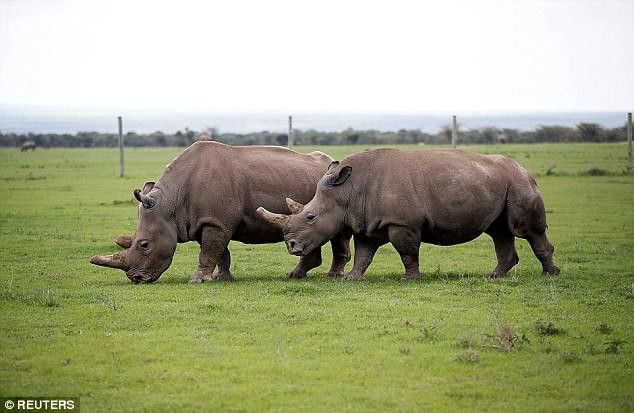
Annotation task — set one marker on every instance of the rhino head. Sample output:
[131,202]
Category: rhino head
[149,251]
[314,224]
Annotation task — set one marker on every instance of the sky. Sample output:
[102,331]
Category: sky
[380,56]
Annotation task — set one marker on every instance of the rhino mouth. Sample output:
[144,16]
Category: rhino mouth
[298,249]
[147,276]
[295,249]
[141,278]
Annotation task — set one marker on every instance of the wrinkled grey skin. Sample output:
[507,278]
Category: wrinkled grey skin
[442,197]
[209,194]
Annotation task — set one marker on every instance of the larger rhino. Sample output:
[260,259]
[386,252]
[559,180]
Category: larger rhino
[441,197]
[209,194]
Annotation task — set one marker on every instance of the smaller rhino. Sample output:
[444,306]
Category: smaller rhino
[442,197]
[27,145]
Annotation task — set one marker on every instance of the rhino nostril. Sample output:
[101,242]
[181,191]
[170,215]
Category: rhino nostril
[291,244]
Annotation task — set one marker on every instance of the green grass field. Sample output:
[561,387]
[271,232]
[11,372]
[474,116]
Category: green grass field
[450,341]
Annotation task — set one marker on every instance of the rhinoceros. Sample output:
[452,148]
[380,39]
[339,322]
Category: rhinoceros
[209,194]
[27,145]
[442,197]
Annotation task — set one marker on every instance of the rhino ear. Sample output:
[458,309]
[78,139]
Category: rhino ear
[332,166]
[294,206]
[338,178]
[124,241]
[148,202]
[147,187]
[278,220]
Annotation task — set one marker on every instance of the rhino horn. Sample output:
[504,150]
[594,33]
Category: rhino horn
[294,206]
[110,261]
[124,241]
[279,220]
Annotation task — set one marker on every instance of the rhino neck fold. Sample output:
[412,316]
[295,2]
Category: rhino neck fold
[353,201]
[171,203]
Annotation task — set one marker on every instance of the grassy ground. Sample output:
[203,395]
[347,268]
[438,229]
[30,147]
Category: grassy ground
[452,340]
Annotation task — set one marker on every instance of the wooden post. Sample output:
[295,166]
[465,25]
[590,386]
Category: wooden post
[121,165]
[629,143]
[454,132]
[291,138]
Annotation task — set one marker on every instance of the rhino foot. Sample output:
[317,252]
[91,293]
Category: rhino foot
[497,274]
[408,277]
[296,274]
[199,277]
[353,277]
[223,276]
[335,274]
[554,270]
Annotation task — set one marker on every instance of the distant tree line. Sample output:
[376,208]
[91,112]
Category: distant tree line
[583,132]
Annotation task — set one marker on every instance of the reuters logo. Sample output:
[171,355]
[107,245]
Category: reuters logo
[40,403]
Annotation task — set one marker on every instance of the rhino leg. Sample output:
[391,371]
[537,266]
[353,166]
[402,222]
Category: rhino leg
[364,249]
[406,241]
[340,254]
[213,243]
[505,251]
[527,218]
[543,250]
[305,264]
[224,267]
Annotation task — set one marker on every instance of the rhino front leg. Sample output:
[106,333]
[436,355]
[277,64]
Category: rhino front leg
[224,267]
[340,254]
[305,264]
[364,249]
[543,250]
[213,243]
[506,254]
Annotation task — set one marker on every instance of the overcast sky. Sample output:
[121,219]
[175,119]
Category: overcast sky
[319,55]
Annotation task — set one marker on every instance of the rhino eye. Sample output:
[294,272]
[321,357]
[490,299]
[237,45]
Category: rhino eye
[144,244]
[310,216]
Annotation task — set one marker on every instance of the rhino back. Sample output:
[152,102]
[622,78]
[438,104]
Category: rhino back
[222,185]
[452,195]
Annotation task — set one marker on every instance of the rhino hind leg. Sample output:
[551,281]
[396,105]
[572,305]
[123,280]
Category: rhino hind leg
[305,264]
[224,267]
[406,241]
[410,262]
[340,254]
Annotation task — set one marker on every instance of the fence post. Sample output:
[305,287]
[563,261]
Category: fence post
[454,132]
[291,138]
[121,164]
[629,143]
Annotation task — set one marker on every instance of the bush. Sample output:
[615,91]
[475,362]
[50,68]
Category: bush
[584,132]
